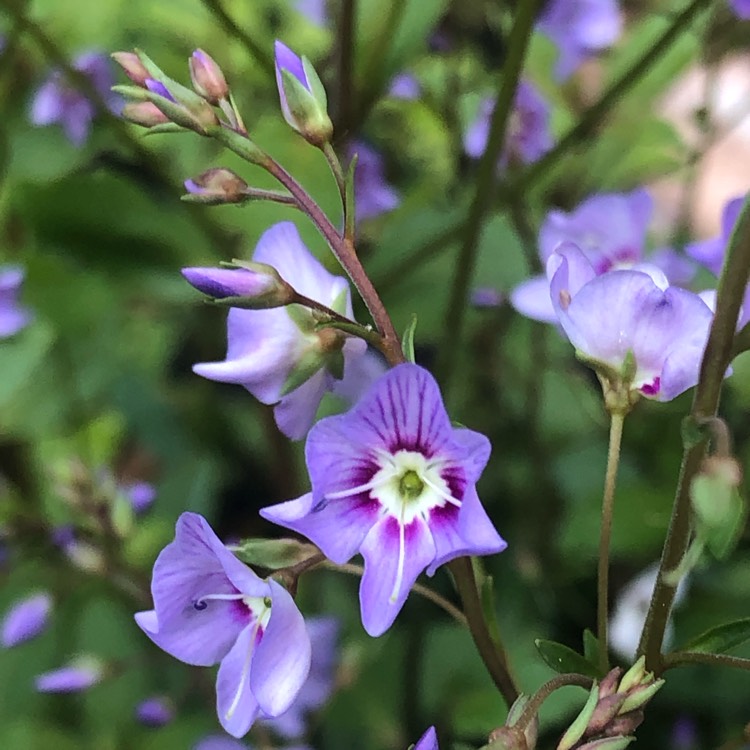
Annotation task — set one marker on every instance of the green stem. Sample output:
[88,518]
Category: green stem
[608,504]
[518,43]
[682,658]
[594,115]
[256,49]
[494,659]
[716,358]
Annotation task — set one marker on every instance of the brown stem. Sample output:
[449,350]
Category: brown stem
[682,658]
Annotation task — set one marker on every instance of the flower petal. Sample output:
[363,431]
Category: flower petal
[282,658]
[428,741]
[296,411]
[531,299]
[235,702]
[385,587]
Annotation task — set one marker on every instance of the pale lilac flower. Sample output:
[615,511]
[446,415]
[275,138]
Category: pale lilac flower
[579,29]
[486,296]
[372,194]
[26,619]
[59,101]
[630,314]
[141,495]
[528,137]
[13,316]
[741,8]
[609,228]
[155,711]
[314,10]
[318,687]
[394,480]
[404,86]
[75,677]
[209,608]
[428,741]
[710,253]
[266,349]
[220,742]
[676,267]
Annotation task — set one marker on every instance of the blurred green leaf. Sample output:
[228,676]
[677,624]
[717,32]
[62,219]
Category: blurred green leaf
[564,659]
[720,639]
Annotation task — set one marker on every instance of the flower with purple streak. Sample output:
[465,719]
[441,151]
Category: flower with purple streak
[60,101]
[155,711]
[266,347]
[13,316]
[428,741]
[394,480]
[79,675]
[210,608]
[318,687]
[25,620]
[741,8]
[579,29]
[528,137]
[630,325]
[373,195]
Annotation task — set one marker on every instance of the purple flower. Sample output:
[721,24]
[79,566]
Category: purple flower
[26,619]
[609,228]
[630,319]
[76,677]
[140,494]
[579,29]
[741,8]
[59,101]
[710,253]
[405,86]
[219,742]
[155,711]
[528,137]
[486,296]
[13,317]
[428,741]
[314,10]
[209,608]
[281,357]
[318,687]
[394,480]
[373,195]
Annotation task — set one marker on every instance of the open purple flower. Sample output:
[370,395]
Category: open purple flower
[528,137]
[630,325]
[25,620]
[394,480]
[278,354]
[209,608]
[428,741]
[741,8]
[579,29]
[13,317]
[373,195]
[59,101]
[710,253]
[318,687]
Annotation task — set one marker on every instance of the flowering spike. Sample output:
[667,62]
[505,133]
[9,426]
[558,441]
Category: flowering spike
[208,78]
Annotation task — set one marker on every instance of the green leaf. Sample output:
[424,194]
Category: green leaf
[563,659]
[590,646]
[407,341]
[721,639]
[274,554]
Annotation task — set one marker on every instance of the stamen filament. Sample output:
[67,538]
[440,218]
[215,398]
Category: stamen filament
[446,496]
[401,559]
[371,485]
[245,673]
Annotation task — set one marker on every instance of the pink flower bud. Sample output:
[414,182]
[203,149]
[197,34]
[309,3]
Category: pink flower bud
[133,68]
[208,78]
[217,185]
[146,114]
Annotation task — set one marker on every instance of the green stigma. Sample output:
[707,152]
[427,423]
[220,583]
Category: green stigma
[410,486]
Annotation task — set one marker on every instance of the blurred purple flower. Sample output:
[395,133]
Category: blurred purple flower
[57,100]
[404,86]
[486,296]
[266,348]
[140,494]
[318,687]
[373,195]
[394,480]
[710,253]
[26,619]
[13,316]
[676,267]
[209,608]
[314,10]
[155,711]
[609,228]
[741,8]
[219,742]
[528,137]
[618,315]
[579,29]
[428,741]
[685,734]
[76,677]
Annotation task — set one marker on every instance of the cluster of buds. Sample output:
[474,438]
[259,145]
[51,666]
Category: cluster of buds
[613,711]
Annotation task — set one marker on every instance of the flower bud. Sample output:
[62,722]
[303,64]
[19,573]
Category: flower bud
[217,186]
[578,728]
[146,114]
[634,676]
[132,66]
[254,286]
[25,620]
[80,674]
[302,96]
[207,77]
[606,710]
[625,724]
[638,696]
[608,684]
